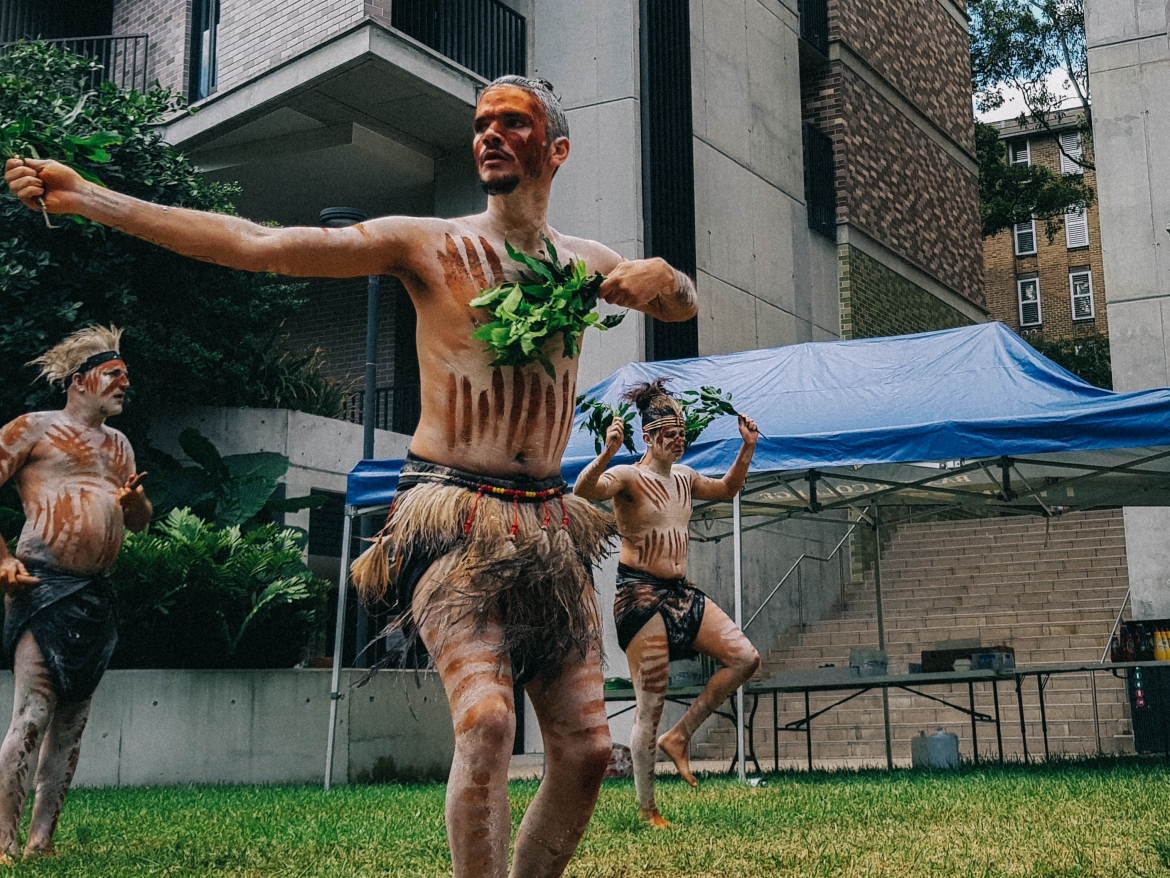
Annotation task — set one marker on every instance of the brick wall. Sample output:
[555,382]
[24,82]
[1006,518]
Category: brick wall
[876,301]
[167,23]
[335,321]
[894,180]
[1052,263]
[255,35]
[917,47]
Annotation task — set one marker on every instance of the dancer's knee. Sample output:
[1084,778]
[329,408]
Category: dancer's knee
[488,725]
[746,661]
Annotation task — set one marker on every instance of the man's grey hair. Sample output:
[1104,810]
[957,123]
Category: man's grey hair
[555,122]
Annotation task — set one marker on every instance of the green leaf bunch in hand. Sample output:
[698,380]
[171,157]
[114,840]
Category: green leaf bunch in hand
[528,313]
[700,407]
[599,415]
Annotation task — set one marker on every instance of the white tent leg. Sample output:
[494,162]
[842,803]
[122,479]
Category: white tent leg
[737,542]
[338,641]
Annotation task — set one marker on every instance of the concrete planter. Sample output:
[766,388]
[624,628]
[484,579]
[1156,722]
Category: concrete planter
[154,728]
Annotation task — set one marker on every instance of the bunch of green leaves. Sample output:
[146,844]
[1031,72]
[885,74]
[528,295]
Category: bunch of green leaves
[555,299]
[51,138]
[233,491]
[599,415]
[192,594]
[701,407]
[196,333]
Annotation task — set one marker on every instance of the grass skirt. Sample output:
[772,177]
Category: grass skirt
[526,564]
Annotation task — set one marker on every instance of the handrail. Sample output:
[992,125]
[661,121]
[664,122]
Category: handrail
[1116,625]
[796,564]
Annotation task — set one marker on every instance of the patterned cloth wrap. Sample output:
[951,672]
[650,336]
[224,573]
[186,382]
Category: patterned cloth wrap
[72,619]
[640,595]
[518,550]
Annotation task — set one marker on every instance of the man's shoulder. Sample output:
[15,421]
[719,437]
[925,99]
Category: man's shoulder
[27,427]
[597,256]
[681,469]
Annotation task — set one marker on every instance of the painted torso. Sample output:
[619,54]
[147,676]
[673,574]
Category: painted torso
[68,483]
[495,420]
[653,513]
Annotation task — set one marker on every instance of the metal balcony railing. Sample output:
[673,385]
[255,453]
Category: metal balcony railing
[123,59]
[820,181]
[814,24]
[395,408]
[482,35]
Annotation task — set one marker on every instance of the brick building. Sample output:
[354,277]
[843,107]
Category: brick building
[894,95]
[1044,285]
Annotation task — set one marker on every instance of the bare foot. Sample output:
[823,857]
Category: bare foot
[675,747]
[6,859]
[654,818]
[39,853]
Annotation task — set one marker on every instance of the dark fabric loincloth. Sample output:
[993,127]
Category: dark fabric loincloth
[524,560]
[72,619]
[641,595]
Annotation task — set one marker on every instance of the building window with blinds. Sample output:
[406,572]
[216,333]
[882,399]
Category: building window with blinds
[1076,228]
[1080,283]
[1019,153]
[1028,291]
[1070,153]
[1025,235]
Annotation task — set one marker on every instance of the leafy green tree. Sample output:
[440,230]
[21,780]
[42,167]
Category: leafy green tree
[196,333]
[1017,44]
[1086,356]
[1011,194]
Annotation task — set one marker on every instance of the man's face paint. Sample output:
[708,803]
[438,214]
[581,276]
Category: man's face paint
[510,138]
[668,441]
[106,385]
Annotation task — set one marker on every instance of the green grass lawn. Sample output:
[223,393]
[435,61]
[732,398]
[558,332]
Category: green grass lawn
[1105,818]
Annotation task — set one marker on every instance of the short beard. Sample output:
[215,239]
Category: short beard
[503,186]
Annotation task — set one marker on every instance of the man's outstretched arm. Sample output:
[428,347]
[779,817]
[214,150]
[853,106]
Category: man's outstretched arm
[375,247]
[705,488]
[17,439]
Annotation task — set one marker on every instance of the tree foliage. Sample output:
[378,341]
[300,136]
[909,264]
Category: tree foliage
[1086,356]
[194,595]
[196,333]
[1017,44]
[1011,194]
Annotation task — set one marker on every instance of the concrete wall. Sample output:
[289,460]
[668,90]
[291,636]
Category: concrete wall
[151,728]
[1129,75]
[764,278]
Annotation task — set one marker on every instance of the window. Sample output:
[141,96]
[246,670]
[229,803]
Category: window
[1070,153]
[1019,153]
[1028,291]
[1025,234]
[204,35]
[1080,284]
[1076,228]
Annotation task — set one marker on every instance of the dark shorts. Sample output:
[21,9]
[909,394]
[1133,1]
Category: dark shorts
[640,596]
[72,619]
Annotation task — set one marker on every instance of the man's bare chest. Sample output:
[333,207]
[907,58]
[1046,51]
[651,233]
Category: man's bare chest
[68,452]
[660,500]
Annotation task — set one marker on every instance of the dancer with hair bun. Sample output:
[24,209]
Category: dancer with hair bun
[77,483]
[661,617]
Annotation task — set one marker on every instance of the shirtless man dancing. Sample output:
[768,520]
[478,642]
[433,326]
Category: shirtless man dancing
[490,558]
[76,481]
[660,616]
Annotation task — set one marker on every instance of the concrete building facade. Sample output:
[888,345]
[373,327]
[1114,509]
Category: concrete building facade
[1129,75]
[810,162]
[1041,285]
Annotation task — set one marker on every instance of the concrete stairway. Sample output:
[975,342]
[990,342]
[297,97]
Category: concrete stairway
[1052,596]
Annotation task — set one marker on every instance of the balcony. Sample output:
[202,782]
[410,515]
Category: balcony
[820,182]
[396,408]
[814,24]
[484,36]
[122,59]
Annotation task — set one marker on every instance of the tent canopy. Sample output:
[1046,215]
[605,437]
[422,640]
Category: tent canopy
[969,416]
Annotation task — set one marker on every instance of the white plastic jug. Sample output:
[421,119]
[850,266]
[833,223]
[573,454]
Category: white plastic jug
[940,750]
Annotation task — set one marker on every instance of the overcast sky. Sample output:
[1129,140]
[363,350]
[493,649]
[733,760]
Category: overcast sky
[1014,105]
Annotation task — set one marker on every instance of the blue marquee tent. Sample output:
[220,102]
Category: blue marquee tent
[963,417]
